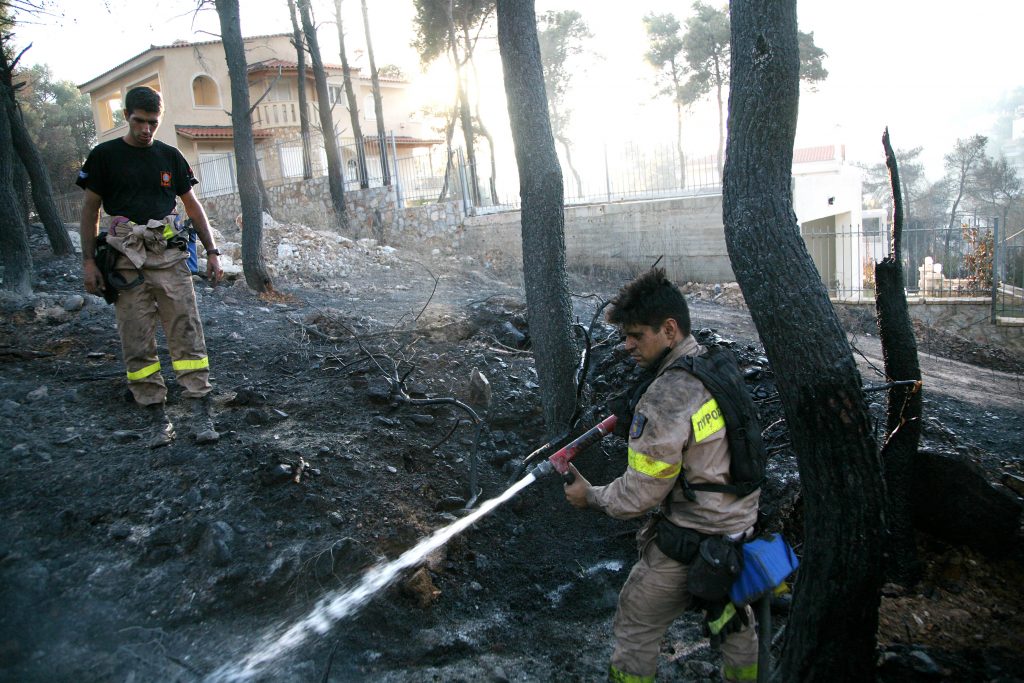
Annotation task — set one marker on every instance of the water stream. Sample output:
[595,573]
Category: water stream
[346,602]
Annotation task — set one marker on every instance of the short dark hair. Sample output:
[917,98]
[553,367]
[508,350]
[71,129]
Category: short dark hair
[145,98]
[650,299]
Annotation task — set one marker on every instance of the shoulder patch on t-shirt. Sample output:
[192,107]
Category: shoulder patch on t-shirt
[636,428]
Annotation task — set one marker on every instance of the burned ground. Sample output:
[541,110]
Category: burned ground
[124,564]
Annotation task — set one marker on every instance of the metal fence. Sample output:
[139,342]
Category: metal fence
[615,172]
[968,260]
[1008,281]
[417,176]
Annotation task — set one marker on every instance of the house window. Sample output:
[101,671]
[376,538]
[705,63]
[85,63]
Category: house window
[369,111]
[337,93]
[871,227]
[280,91]
[110,111]
[204,92]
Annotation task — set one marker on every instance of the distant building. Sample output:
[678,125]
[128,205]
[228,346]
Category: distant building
[193,79]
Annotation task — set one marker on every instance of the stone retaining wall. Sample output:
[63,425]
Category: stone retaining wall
[971,319]
[372,213]
[623,237]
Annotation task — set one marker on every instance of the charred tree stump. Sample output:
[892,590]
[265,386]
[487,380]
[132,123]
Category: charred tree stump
[953,500]
[903,414]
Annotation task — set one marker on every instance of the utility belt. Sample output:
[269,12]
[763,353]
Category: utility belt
[715,561]
[739,569]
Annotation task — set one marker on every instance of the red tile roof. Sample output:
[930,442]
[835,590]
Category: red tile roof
[807,155]
[286,65]
[213,132]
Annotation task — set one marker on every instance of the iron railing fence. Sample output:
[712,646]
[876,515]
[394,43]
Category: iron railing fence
[1008,283]
[415,175]
[938,261]
[615,172]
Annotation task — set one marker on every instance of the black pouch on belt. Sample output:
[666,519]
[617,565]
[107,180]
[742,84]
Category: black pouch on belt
[716,567]
[676,542]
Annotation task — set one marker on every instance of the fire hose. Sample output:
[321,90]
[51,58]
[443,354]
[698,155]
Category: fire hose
[559,460]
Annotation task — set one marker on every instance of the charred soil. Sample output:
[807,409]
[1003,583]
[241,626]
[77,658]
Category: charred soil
[121,563]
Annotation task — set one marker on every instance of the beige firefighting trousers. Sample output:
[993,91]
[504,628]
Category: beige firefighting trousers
[652,598]
[166,296]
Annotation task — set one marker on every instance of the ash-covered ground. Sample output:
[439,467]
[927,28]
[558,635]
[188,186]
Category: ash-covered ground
[120,563]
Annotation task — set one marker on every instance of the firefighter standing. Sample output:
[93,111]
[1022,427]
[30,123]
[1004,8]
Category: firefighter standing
[137,178]
[676,437]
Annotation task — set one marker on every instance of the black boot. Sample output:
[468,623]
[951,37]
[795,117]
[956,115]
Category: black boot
[161,429]
[202,421]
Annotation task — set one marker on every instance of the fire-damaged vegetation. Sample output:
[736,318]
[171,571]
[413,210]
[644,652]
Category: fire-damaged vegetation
[122,563]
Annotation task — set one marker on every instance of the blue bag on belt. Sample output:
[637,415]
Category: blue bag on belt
[767,561]
[193,257]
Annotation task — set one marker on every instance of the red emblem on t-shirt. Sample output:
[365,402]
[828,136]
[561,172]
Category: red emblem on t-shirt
[165,178]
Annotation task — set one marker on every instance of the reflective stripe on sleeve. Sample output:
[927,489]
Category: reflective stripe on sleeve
[616,676]
[196,364]
[645,464]
[740,673]
[144,372]
[707,420]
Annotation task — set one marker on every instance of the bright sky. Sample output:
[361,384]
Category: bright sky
[932,70]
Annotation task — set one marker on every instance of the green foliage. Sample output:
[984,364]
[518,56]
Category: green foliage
[390,71]
[59,119]
[664,53]
[432,23]
[706,49]
[561,37]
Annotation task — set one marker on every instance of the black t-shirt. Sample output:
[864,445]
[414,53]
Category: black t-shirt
[138,182]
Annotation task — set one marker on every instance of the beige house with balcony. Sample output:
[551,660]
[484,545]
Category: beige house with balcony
[193,79]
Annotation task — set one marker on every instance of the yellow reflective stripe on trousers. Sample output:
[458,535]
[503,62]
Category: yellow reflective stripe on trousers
[707,421]
[197,364]
[144,372]
[740,673]
[718,624]
[616,676]
[645,464]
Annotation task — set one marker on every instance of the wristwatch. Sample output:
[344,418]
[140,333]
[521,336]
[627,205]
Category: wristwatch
[215,252]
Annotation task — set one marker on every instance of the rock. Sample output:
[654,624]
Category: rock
[255,417]
[9,408]
[423,420]
[37,394]
[120,531]
[217,542]
[20,450]
[125,436]
[193,498]
[379,391]
[701,669]
[73,303]
[385,421]
[479,389]
[277,474]
[421,588]
[449,503]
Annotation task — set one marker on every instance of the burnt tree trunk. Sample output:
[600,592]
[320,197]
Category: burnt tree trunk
[15,255]
[21,189]
[378,102]
[42,188]
[903,414]
[335,174]
[353,106]
[831,633]
[300,60]
[249,194]
[465,118]
[543,218]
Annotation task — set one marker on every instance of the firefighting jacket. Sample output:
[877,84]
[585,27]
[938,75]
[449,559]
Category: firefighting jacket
[677,429]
